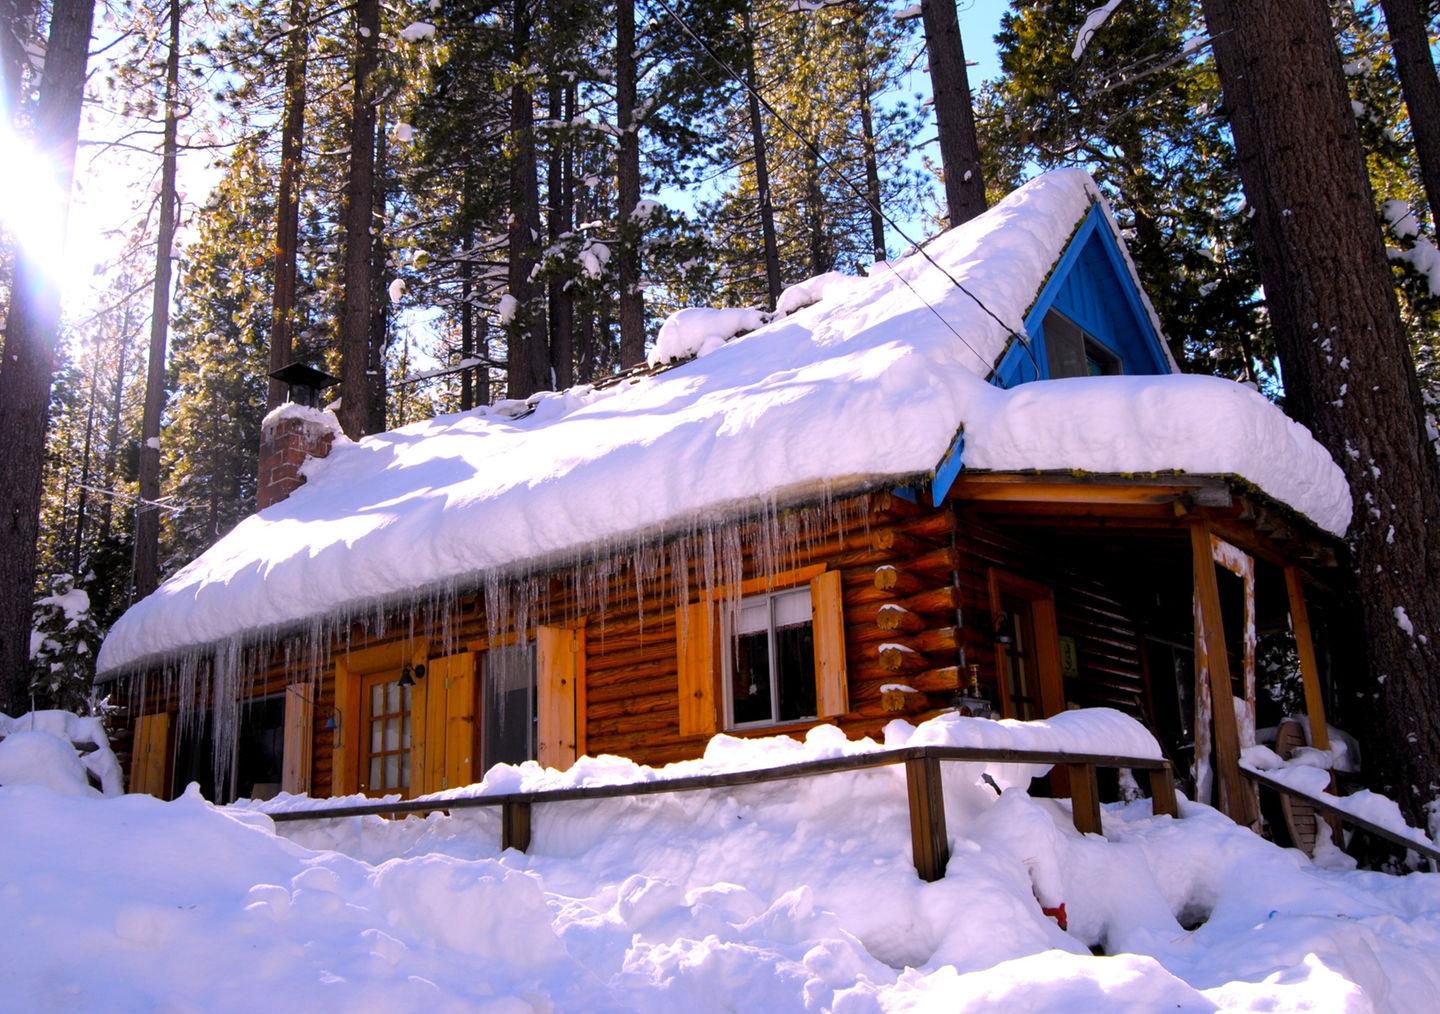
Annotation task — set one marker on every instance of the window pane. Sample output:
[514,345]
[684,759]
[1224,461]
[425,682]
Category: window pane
[508,705]
[392,734]
[750,678]
[392,697]
[795,659]
[405,770]
[792,607]
[374,773]
[392,771]
[753,617]
[405,730]
[376,728]
[377,699]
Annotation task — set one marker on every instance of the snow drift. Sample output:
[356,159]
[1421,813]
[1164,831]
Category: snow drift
[784,896]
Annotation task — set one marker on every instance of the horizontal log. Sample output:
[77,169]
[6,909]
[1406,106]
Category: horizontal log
[891,578]
[898,658]
[942,561]
[897,618]
[934,601]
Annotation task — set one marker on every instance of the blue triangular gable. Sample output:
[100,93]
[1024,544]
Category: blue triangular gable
[1092,285]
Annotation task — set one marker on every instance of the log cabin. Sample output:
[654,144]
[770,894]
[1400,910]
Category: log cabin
[973,479]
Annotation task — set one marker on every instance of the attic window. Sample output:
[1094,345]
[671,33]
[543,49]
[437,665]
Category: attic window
[1071,351]
[770,671]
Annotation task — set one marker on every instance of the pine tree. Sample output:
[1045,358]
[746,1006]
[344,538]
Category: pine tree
[30,337]
[1344,352]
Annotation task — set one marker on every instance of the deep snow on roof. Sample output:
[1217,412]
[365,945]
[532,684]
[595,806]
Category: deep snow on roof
[867,385]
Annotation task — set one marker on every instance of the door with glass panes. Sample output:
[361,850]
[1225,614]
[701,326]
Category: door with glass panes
[386,727]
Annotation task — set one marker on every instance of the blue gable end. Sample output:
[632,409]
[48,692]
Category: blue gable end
[1091,285]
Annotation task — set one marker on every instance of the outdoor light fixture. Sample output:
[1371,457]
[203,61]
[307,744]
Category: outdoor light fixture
[1002,629]
[410,674]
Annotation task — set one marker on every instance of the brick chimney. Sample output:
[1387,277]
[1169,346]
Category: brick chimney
[288,436]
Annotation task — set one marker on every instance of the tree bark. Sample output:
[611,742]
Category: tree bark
[359,213]
[872,167]
[287,203]
[467,324]
[1420,85]
[632,299]
[17,25]
[954,117]
[1344,355]
[147,517]
[762,173]
[560,191]
[28,366]
[527,358]
[376,421]
[117,407]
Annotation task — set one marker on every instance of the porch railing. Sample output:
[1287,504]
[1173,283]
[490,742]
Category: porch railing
[930,847]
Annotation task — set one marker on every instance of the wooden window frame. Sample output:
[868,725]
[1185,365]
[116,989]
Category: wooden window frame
[366,752]
[727,664]
[702,652]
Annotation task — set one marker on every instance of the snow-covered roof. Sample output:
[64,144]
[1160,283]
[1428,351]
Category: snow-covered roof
[868,385]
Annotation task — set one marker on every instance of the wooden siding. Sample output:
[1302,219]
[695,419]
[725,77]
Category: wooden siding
[906,620]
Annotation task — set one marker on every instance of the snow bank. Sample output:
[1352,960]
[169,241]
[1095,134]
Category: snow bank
[60,751]
[783,896]
[867,386]
[700,330]
[811,291]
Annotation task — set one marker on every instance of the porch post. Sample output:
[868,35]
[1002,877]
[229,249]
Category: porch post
[1235,802]
[1309,670]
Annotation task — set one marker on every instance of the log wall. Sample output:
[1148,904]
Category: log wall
[916,606]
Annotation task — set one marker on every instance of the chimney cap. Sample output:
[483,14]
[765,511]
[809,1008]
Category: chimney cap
[305,382]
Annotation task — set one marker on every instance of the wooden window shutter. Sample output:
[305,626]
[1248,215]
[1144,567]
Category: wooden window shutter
[299,731]
[559,666]
[459,673]
[147,761]
[697,662]
[832,695]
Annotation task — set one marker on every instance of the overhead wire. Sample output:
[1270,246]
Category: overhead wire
[814,150]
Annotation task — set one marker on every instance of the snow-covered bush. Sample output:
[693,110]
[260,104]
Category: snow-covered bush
[67,753]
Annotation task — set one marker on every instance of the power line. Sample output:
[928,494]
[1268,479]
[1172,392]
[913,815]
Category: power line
[823,160]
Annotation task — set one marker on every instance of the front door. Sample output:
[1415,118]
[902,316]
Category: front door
[1027,647]
[385,731]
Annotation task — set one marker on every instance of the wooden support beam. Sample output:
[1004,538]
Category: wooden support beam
[1235,800]
[896,617]
[1162,791]
[1309,668]
[929,844]
[515,825]
[1084,798]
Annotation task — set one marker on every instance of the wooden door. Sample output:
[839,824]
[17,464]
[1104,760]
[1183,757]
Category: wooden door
[386,728]
[1027,647]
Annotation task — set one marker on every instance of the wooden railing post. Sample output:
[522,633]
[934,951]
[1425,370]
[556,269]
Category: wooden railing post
[928,842]
[1162,791]
[515,826]
[1085,798]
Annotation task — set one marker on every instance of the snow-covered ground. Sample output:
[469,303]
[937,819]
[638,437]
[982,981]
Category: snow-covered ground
[786,896]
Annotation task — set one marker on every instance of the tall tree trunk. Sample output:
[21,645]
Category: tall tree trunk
[872,166]
[821,260]
[379,301]
[632,299]
[147,517]
[112,437]
[1410,40]
[287,203]
[359,215]
[29,362]
[527,358]
[959,147]
[762,172]
[17,25]
[1344,354]
[467,322]
[82,500]
[562,303]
